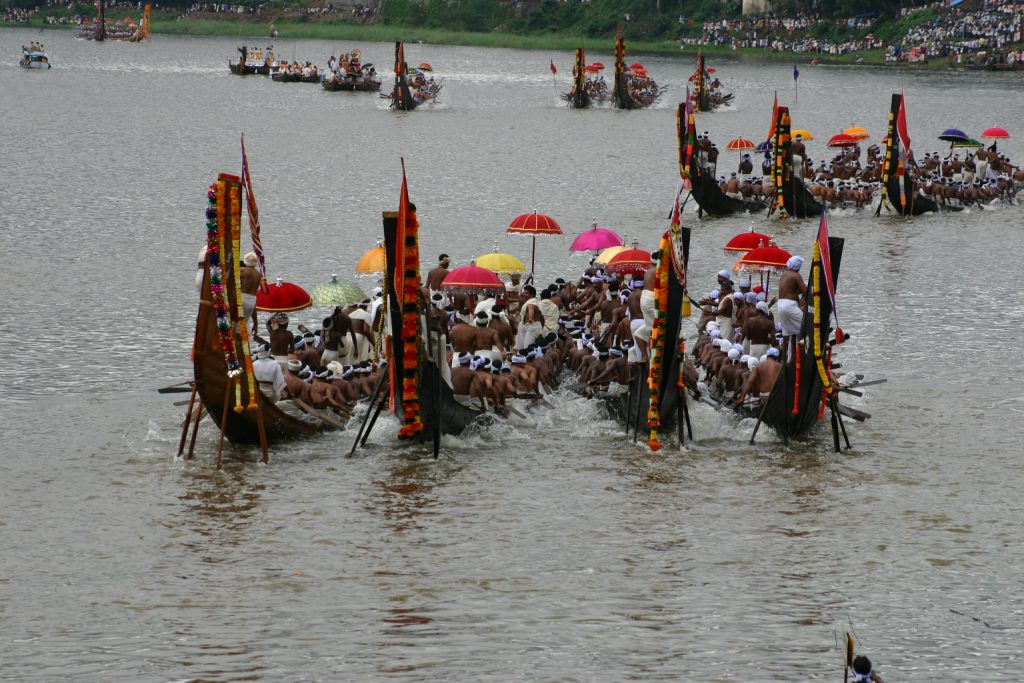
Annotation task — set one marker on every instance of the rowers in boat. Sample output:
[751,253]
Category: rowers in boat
[254,61]
[34,57]
[349,73]
[412,86]
[296,73]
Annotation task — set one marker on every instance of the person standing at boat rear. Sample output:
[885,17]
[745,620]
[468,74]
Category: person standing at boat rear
[267,372]
[250,280]
[532,322]
[792,300]
[437,274]
[726,316]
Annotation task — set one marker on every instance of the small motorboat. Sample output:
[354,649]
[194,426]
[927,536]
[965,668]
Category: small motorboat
[34,59]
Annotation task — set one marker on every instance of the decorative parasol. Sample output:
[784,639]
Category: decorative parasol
[765,146]
[606,255]
[283,296]
[857,132]
[953,135]
[763,259]
[337,293]
[425,66]
[995,134]
[637,65]
[740,145]
[591,69]
[969,142]
[803,133]
[629,261]
[473,278]
[746,241]
[598,65]
[534,224]
[372,261]
[595,239]
[501,263]
[842,140]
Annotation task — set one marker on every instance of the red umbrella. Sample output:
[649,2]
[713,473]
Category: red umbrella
[591,69]
[282,296]
[629,261]
[995,134]
[472,277]
[740,145]
[534,224]
[842,140]
[595,239]
[747,241]
[636,66]
[639,72]
[762,259]
[597,65]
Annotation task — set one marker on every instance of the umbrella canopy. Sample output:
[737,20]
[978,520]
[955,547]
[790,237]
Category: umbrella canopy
[952,135]
[763,259]
[598,65]
[606,255]
[969,142]
[595,239]
[746,241]
[842,140]
[282,297]
[472,277]
[765,146]
[857,132]
[591,69]
[337,293]
[534,224]
[501,263]
[629,261]
[740,145]
[636,65]
[995,134]
[425,66]
[803,133]
[372,261]
[639,72]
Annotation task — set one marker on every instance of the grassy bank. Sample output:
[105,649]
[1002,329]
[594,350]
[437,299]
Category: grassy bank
[258,32]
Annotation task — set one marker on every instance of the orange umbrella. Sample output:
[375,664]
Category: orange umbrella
[740,145]
[372,261]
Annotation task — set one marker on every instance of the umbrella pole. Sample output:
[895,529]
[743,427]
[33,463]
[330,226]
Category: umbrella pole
[533,259]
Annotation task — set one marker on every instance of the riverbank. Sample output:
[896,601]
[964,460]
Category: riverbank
[344,31]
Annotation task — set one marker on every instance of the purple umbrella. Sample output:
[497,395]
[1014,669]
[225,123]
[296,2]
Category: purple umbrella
[765,146]
[596,239]
[953,135]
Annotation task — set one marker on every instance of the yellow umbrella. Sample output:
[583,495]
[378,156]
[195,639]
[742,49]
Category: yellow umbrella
[606,255]
[372,261]
[858,132]
[805,134]
[501,263]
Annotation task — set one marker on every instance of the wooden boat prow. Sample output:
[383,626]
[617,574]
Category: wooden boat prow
[213,385]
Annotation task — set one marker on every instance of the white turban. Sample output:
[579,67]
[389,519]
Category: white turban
[752,362]
[250,259]
[795,263]
[733,354]
[762,306]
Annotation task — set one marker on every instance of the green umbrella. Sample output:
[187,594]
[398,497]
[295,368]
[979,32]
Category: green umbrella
[969,142]
[337,293]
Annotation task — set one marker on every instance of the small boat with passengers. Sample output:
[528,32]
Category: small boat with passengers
[34,57]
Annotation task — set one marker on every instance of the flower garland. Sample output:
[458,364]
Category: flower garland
[657,344]
[243,324]
[410,264]
[215,212]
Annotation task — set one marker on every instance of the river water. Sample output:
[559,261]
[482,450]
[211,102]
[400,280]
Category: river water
[547,550]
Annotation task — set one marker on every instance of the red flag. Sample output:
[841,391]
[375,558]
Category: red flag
[901,122]
[775,115]
[553,69]
[254,216]
[826,261]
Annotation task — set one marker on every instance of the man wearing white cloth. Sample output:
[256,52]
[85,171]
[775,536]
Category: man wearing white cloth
[532,323]
[792,299]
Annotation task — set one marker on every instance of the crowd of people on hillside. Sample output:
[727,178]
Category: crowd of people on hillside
[781,34]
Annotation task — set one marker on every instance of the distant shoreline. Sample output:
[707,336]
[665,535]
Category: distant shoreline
[343,31]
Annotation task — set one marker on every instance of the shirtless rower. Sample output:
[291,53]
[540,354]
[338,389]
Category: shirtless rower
[758,331]
[792,296]
[437,274]
[250,279]
[761,378]
[281,339]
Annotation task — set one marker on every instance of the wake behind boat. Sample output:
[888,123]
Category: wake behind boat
[412,87]
[633,88]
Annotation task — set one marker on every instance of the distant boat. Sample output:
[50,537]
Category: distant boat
[34,59]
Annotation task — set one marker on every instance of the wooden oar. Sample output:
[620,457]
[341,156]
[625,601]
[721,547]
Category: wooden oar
[318,414]
[180,388]
[858,415]
[366,418]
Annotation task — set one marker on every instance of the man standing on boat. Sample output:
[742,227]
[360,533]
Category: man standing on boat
[437,274]
[250,280]
[792,300]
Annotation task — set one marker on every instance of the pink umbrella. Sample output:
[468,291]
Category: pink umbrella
[472,277]
[596,239]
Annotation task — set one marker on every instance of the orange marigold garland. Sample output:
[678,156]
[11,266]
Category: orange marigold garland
[243,324]
[409,295]
[657,344]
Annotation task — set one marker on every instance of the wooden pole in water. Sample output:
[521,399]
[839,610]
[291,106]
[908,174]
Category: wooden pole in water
[195,430]
[839,418]
[835,426]
[224,421]
[439,358]
[188,421]
[366,418]
[261,428]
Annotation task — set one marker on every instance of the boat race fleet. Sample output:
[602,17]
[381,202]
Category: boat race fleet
[459,348]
